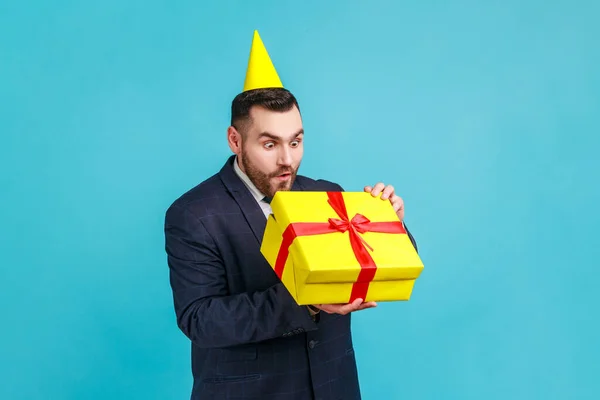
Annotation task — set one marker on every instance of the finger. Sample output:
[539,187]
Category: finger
[377,189]
[357,302]
[368,189]
[348,308]
[388,191]
[342,309]
[370,304]
[352,306]
[399,207]
[397,202]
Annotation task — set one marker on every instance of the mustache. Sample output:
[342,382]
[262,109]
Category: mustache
[282,171]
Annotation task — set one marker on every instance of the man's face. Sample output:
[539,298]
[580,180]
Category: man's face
[272,149]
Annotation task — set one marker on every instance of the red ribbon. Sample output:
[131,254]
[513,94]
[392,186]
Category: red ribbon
[358,224]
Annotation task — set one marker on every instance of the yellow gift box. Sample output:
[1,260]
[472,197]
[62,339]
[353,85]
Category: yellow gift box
[334,247]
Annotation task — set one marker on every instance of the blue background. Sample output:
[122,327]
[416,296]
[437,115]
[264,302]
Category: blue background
[484,115]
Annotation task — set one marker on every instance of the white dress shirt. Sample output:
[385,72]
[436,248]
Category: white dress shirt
[258,196]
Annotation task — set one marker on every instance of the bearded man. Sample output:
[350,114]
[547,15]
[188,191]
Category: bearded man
[249,338]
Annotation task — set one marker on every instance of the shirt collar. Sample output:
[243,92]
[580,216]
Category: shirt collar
[255,192]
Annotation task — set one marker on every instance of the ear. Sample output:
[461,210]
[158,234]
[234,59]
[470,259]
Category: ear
[234,140]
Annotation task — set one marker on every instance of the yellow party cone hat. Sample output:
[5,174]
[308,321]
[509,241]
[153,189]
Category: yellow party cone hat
[260,73]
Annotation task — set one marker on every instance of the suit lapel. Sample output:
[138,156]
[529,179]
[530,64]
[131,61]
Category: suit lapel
[242,196]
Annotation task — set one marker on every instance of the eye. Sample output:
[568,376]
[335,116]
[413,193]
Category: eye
[295,143]
[269,145]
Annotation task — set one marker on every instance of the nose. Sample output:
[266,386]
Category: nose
[285,157]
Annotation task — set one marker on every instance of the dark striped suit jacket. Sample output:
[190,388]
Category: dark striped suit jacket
[249,339]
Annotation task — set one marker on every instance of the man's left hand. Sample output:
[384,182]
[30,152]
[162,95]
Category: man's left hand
[387,192]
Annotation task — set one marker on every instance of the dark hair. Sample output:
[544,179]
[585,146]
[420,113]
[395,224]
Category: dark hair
[274,99]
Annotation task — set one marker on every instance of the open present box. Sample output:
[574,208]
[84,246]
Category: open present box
[334,247]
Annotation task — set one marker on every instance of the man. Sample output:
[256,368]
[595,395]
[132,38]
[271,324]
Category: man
[250,340]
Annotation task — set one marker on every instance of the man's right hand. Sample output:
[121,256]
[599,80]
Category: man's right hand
[344,309]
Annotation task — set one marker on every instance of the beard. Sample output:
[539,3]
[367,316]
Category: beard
[262,180]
